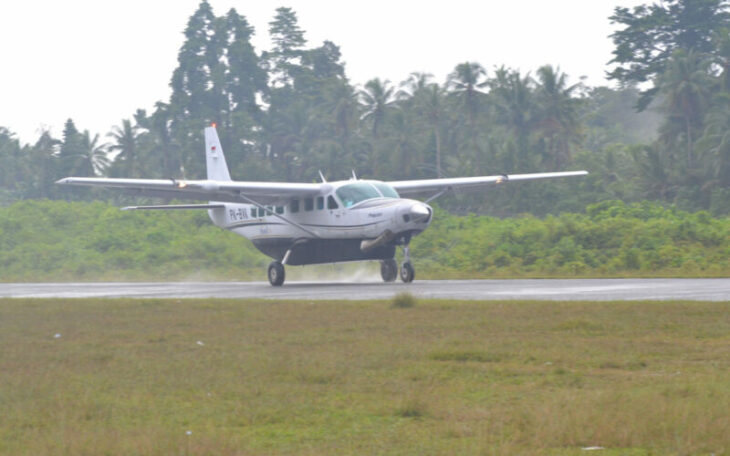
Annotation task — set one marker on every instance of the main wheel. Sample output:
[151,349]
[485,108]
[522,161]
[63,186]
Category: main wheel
[407,273]
[388,270]
[276,273]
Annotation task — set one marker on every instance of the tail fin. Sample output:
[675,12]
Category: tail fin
[215,161]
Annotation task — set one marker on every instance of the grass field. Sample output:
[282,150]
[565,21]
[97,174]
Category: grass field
[224,377]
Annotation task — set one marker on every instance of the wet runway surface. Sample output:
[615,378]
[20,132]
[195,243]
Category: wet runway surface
[544,289]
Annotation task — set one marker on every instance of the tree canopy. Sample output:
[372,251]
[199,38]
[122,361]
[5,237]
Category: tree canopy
[286,112]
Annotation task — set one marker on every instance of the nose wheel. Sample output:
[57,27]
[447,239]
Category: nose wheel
[407,273]
[276,273]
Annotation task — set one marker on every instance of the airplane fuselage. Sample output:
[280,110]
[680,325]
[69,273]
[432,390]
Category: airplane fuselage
[330,227]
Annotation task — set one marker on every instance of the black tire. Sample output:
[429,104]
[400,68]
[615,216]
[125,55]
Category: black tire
[388,270]
[276,273]
[407,273]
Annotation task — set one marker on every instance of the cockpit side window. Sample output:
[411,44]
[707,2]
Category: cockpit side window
[331,203]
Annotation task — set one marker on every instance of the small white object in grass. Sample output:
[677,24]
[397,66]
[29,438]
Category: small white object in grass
[548,363]
[200,342]
[592,448]
[188,432]
[57,336]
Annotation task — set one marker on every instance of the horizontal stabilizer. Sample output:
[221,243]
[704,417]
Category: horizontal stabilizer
[174,206]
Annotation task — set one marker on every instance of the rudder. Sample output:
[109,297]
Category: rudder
[215,161]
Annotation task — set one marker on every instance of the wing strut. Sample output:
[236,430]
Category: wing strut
[437,195]
[173,206]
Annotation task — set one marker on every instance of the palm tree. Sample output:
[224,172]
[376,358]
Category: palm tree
[515,107]
[652,168]
[715,142]
[686,85]
[125,142]
[721,38]
[431,105]
[467,81]
[341,104]
[416,82]
[376,97]
[557,113]
[94,160]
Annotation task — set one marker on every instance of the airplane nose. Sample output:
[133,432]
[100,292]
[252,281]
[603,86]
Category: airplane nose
[420,212]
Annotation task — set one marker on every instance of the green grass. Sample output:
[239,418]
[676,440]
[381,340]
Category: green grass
[315,378]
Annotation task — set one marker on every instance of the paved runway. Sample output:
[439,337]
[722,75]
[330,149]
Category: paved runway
[574,289]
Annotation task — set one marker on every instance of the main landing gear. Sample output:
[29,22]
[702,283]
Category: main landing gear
[276,273]
[389,268]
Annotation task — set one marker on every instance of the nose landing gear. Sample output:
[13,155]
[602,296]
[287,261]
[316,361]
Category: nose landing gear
[407,273]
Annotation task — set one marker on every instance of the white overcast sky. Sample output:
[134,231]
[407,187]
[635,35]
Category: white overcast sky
[98,61]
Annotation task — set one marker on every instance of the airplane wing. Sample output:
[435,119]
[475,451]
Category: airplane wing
[440,186]
[205,190]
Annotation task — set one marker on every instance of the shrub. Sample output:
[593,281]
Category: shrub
[403,300]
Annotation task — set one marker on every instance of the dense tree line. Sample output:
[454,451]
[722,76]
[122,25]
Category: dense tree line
[289,111]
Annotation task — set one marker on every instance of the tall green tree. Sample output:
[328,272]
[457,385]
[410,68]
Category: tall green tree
[44,169]
[71,151]
[288,39]
[245,79]
[196,87]
[10,160]
[652,33]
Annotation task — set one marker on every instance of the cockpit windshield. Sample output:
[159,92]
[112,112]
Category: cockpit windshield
[356,192]
[386,190]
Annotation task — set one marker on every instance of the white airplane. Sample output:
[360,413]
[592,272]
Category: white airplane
[300,223]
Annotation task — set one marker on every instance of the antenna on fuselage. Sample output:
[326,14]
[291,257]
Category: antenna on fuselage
[354,176]
[324,181]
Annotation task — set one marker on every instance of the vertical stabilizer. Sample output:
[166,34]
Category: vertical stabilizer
[215,161]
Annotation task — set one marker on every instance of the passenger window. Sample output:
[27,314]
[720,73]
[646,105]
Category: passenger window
[261,212]
[294,206]
[331,203]
[320,202]
[269,210]
[308,204]
[279,210]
